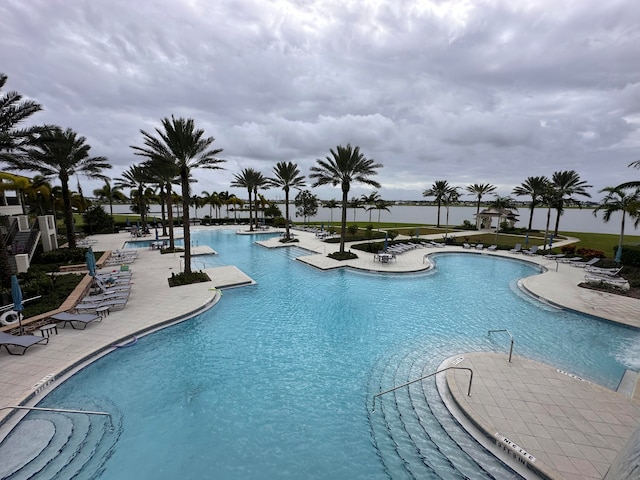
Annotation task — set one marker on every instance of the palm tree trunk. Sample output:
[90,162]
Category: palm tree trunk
[250,212]
[172,242]
[343,233]
[559,212]
[546,230]
[624,212]
[185,222]
[286,212]
[163,206]
[68,213]
[438,221]
[531,216]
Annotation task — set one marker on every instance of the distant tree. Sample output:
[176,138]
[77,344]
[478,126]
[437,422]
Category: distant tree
[381,205]
[357,204]
[136,178]
[566,185]
[108,194]
[247,178]
[370,200]
[619,200]
[306,205]
[440,189]
[535,187]
[479,190]
[331,204]
[286,175]
[96,220]
[344,166]
[164,173]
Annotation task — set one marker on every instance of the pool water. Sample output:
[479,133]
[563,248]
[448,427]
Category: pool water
[275,380]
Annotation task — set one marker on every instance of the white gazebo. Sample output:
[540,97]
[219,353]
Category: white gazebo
[484,219]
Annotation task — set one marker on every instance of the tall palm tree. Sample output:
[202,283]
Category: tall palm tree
[370,200]
[181,141]
[344,166]
[451,196]
[634,183]
[567,184]
[137,179]
[260,182]
[479,190]
[535,188]
[62,154]
[619,200]
[108,193]
[331,204]
[213,200]
[247,178]
[502,204]
[286,175]
[440,189]
[381,205]
[355,203]
[164,173]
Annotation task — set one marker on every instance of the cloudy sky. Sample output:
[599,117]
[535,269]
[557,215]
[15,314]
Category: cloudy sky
[469,91]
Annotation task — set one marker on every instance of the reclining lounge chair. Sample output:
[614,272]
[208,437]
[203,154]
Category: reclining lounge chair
[20,341]
[83,319]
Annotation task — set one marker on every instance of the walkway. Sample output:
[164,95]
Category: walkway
[152,304]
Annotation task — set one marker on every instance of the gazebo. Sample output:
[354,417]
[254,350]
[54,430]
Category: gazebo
[484,219]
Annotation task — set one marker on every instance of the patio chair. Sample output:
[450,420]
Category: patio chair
[479,246]
[554,256]
[516,249]
[83,319]
[20,341]
[613,282]
[492,248]
[110,289]
[569,259]
[531,251]
[436,244]
[466,245]
[584,264]
[607,272]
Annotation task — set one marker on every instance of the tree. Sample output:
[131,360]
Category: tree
[96,220]
[344,166]
[213,200]
[189,149]
[381,205]
[440,189]
[632,184]
[479,190]
[260,182]
[619,200]
[566,185]
[501,204]
[306,205]
[535,187]
[164,173]
[62,154]
[331,204]
[451,196]
[356,204]
[286,175]
[136,178]
[248,179]
[370,200]
[108,194]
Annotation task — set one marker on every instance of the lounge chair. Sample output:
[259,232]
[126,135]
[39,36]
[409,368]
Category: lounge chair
[492,248]
[516,249]
[569,259]
[83,319]
[436,244]
[110,288]
[531,251]
[479,246]
[113,304]
[607,272]
[613,282]
[20,341]
[466,245]
[101,297]
[555,256]
[585,264]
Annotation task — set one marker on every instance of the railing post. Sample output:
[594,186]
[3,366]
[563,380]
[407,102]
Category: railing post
[510,336]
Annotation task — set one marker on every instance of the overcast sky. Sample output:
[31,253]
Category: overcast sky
[469,91]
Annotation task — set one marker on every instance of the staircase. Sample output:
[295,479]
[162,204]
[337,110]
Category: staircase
[48,445]
[413,431]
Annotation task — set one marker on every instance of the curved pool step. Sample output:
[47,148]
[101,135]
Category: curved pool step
[25,444]
[411,430]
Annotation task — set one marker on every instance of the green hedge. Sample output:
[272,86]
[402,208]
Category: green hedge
[630,255]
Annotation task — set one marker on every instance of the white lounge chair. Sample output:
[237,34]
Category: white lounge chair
[492,248]
[516,249]
[608,272]
[479,246]
[83,319]
[613,282]
[585,264]
[554,256]
[531,251]
[466,245]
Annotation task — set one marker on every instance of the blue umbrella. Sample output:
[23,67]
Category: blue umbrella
[91,262]
[551,240]
[386,241]
[418,232]
[526,240]
[619,254]
[16,296]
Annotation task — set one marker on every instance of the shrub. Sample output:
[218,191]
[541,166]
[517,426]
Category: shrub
[342,256]
[96,220]
[589,253]
[187,278]
[352,230]
[568,249]
[630,255]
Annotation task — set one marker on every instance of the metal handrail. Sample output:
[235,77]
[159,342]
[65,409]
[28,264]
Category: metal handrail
[422,378]
[61,410]
[510,336]
[11,233]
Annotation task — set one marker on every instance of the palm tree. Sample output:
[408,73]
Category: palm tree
[618,200]
[260,182]
[381,205]
[370,200]
[136,178]
[213,200]
[479,190]
[451,196]
[62,154]
[247,178]
[108,194]
[331,204]
[189,149]
[355,203]
[567,185]
[440,189]
[344,166]
[286,175]
[501,204]
[632,184]
[535,188]
[164,173]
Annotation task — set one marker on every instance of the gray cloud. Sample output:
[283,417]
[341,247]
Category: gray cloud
[487,91]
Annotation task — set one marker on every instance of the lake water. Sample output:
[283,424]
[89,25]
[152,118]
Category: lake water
[573,219]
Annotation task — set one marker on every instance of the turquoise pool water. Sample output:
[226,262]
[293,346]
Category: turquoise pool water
[275,380]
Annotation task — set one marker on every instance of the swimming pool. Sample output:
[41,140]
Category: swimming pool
[276,380]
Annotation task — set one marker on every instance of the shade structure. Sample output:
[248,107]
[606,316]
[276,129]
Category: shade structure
[386,241]
[16,296]
[619,254]
[91,262]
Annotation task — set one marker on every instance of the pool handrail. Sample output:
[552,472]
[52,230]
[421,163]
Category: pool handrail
[510,336]
[422,378]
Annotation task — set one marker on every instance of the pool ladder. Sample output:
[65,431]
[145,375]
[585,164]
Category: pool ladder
[510,336]
[58,410]
[422,378]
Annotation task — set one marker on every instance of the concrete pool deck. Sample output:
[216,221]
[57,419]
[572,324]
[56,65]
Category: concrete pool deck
[152,303]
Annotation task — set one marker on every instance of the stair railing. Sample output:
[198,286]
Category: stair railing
[58,410]
[422,378]
[510,336]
